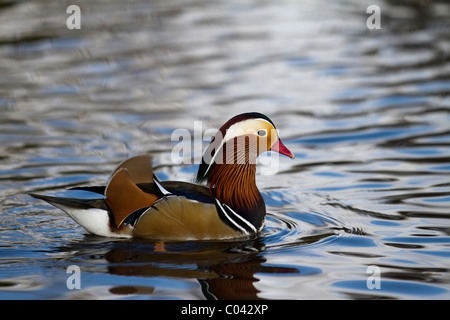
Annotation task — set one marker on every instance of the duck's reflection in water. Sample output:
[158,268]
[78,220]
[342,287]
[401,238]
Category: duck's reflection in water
[225,270]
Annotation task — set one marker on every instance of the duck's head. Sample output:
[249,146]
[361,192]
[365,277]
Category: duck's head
[240,141]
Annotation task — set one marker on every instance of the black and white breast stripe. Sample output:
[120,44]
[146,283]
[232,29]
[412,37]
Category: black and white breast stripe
[233,219]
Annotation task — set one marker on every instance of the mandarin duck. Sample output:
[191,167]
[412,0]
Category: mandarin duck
[224,203]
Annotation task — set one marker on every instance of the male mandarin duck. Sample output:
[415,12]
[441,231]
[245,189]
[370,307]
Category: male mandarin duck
[134,203]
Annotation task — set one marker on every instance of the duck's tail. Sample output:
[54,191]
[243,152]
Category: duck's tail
[92,214]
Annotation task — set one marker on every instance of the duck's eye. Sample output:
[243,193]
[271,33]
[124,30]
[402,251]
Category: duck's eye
[261,132]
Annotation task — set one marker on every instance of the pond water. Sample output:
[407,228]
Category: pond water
[362,212]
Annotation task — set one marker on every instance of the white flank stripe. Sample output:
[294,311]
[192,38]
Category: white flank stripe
[95,221]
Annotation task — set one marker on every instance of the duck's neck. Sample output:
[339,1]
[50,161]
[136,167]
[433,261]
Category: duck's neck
[233,182]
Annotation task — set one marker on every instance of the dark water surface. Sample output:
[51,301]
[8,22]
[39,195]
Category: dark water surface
[366,112]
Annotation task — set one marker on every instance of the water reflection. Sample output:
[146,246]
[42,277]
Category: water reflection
[224,270]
